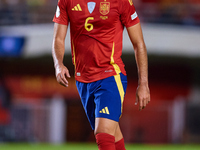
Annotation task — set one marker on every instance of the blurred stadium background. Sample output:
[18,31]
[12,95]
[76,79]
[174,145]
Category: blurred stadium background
[34,108]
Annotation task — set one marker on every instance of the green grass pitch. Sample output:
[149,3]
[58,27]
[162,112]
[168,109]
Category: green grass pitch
[92,146]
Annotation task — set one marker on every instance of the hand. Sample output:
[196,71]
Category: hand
[61,75]
[142,96]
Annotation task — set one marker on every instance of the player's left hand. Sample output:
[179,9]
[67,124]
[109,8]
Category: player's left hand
[142,96]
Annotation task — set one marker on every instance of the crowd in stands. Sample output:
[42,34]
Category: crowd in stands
[15,12]
[183,12]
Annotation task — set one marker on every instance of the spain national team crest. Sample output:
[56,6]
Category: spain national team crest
[104,8]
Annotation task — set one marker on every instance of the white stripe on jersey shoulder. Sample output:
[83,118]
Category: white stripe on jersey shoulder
[57,12]
[133,16]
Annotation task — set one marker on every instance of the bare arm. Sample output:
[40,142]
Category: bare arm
[58,50]
[136,37]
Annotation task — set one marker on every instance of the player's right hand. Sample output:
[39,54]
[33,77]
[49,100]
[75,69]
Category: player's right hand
[62,73]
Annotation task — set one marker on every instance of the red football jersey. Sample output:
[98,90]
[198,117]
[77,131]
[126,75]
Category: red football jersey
[96,29]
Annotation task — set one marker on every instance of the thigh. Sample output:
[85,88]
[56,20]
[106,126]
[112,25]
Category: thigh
[87,100]
[103,98]
[104,125]
[109,97]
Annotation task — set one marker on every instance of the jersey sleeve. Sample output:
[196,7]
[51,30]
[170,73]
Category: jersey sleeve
[61,15]
[128,14]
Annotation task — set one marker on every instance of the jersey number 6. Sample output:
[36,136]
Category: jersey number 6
[89,26]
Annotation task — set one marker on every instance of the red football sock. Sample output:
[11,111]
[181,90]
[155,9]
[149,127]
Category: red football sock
[105,141]
[120,145]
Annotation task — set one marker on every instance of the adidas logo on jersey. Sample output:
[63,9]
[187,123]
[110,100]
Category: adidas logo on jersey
[104,111]
[77,8]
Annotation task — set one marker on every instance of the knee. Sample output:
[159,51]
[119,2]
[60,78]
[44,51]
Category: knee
[104,125]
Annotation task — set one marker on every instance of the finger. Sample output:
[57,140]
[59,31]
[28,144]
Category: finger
[64,79]
[65,85]
[61,81]
[136,100]
[148,99]
[141,105]
[145,103]
[67,74]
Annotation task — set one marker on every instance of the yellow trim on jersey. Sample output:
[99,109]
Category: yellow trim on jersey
[112,62]
[120,88]
[131,2]
[74,55]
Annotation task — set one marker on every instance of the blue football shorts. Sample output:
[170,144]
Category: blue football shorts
[103,98]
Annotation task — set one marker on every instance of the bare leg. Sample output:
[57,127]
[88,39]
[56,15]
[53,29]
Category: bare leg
[103,125]
[105,133]
[118,134]
[119,140]
[108,135]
